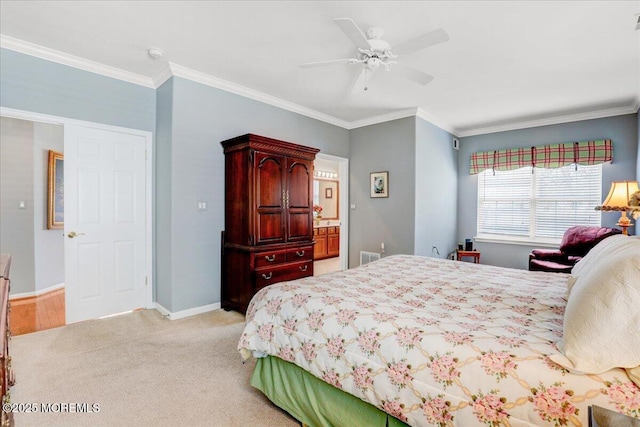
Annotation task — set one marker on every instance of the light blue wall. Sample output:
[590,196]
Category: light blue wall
[48,244]
[622,130]
[163,292]
[436,168]
[32,84]
[389,147]
[16,185]
[38,253]
[201,118]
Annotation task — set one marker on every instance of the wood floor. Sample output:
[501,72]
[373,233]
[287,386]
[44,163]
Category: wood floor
[37,313]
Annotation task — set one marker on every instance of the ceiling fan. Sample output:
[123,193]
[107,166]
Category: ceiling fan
[374,52]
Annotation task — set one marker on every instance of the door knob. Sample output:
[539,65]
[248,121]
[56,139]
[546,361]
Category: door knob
[73,234]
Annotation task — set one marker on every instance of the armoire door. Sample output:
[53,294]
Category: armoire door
[299,187]
[269,196]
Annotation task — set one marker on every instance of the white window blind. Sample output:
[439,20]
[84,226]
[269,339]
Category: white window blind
[538,206]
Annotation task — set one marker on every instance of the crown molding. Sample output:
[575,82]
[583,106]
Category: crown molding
[568,118]
[52,55]
[401,114]
[436,122]
[206,79]
[164,75]
[396,115]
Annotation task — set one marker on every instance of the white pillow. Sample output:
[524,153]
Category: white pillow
[602,316]
[599,254]
[604,247]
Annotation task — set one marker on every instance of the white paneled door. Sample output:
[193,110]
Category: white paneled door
[104,224]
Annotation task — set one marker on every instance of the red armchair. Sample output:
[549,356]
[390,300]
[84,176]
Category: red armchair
[576,242]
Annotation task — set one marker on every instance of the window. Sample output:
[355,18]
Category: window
[539,204]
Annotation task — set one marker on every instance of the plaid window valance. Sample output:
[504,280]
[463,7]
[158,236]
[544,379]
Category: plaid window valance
[544,156]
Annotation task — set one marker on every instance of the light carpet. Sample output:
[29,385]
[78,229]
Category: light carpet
[142,370]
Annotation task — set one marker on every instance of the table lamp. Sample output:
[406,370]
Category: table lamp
[618,200]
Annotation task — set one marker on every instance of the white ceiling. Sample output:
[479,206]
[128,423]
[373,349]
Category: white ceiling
[507,64]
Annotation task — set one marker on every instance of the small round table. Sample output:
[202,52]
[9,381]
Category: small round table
[474,254]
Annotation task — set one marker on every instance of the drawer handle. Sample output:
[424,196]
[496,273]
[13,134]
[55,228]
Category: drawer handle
[300,253]
[303,267]
[267,276]
[270,258]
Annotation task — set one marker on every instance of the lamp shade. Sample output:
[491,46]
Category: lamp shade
[619,195]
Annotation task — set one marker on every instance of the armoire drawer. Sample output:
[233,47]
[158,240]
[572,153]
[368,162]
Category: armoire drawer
[270,275]
[269,258]
[300,254]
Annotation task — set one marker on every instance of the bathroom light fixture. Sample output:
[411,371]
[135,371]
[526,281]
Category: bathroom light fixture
[325,174]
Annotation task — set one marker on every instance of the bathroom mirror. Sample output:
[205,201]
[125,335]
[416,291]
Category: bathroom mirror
[325,194]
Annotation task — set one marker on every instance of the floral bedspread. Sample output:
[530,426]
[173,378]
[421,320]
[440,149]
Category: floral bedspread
[435,342]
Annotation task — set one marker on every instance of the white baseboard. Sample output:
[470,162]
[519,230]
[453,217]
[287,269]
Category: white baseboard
[37,293]
[186,313]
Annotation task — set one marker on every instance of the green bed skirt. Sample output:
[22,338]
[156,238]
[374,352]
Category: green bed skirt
[311,400]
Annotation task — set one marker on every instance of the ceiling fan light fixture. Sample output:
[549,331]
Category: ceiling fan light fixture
[372,63]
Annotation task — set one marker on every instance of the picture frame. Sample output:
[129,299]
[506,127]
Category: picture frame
[328,193]
[379,184]
[55,196]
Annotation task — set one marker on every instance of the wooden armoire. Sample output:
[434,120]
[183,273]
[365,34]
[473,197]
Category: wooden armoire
[268,236]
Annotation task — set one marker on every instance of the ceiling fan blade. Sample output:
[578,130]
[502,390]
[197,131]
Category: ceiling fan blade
[426,40]
[353,32]
[414,75]
[325,63]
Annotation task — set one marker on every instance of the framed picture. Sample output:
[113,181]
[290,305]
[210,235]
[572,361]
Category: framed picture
[328,193]
[379,184]
[55,198]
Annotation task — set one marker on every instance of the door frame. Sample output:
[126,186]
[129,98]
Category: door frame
[343,191]
[57,120]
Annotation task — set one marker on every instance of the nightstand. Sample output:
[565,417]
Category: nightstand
[474,254]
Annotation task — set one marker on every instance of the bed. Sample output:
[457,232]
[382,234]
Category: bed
[410,340]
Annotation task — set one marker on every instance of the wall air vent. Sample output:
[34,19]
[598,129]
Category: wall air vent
[367,257]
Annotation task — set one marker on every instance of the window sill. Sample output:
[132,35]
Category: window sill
[518,241]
